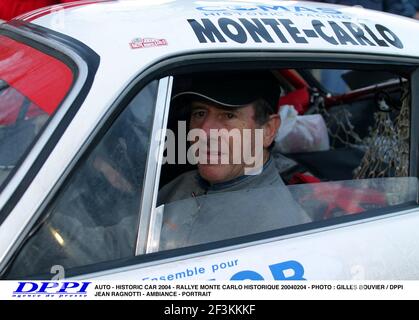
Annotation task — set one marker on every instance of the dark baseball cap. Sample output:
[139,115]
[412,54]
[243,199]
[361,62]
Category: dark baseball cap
[232,89]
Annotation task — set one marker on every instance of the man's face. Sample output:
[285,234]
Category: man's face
[210,118]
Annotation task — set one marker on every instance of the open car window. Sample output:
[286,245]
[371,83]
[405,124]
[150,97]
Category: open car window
[32,86]
[340,154]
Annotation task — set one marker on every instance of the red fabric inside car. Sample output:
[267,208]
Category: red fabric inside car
[13,8]
[299,98]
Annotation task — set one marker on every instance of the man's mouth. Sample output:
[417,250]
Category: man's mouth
[216,157]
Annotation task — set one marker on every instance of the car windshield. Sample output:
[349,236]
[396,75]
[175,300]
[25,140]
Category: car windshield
[32,86]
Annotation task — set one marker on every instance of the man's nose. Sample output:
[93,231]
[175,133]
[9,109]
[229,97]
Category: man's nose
[209,123]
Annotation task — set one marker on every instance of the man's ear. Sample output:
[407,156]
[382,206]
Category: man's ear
[270,128]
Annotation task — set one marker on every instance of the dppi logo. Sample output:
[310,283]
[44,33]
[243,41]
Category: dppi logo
[51,289]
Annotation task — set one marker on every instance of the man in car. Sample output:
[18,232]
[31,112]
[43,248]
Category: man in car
[217,201]
[221,200]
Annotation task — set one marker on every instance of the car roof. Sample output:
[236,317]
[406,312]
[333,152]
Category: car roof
[133,30]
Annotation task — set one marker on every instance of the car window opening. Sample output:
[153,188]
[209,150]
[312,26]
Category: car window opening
[338,151]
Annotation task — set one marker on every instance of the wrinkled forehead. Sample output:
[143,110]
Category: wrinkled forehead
[206,104]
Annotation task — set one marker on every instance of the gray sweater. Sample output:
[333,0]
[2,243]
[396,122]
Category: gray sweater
[196,212]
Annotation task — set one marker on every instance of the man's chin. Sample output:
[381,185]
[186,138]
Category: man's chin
[214,173]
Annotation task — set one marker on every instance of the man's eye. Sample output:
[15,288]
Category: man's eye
[198,114]
[230,115]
